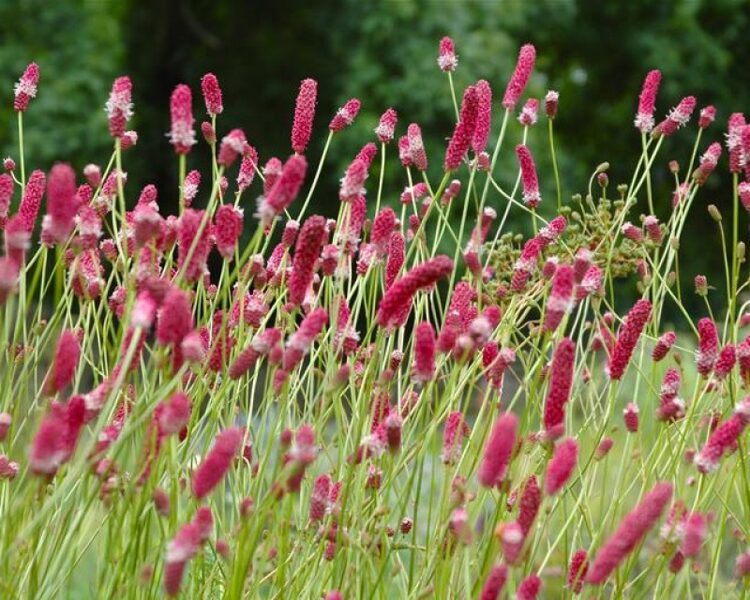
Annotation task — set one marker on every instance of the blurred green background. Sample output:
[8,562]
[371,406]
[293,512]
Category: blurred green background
[595,53]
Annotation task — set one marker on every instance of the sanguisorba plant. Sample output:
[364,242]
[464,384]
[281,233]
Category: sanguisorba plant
[343,411]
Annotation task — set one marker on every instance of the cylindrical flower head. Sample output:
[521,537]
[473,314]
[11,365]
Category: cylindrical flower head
[174,414]
[678,117]
[560,466]
[367,154]
[696,528]
[212,94]
[26,88]
[67,353]
[352,183]
[726,361]
[463,133]
[6,195]
[627,339]
[217,462]
[62,203]
[734,141]
[723,439]
[345,115]
[447,58]
[28,210]
[319,497]
[560,299]
[529,588]
[285,188]
[248,167]
[498,450]
[644,118]
[391,308]
[188,228]
[484,116]
[182,134]
[561,382]
[708,347]
[310,241]
[300,342]
[742,565]
[424,352]
[511,540]
[387,126]
[707,163]
[629,534]
[383,226]
[494,583]
[531,195]
[579,566]
[227,229]
[529,112]
[175,317]
[528,505]
[551,101]
[304,115]
[630,416]
[454,432]
[707,116]
[520,77]
[119,106]
[396,256]
[417,154]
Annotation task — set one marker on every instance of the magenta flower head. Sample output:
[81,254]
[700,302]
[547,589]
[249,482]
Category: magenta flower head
[531,195]
[119,106]
[726,361]
[454,432]
[723,439]
[463,133]
[447,58]
[677,117]
[629,534]
[175,317]
[304,115]
[6,195]
[579,566]
[284,190]
[551,101]
[424,352]
[560,299]
[300,342]
[352,183]
[182,134]
[57,436]
[67,353]
[494,583]
[188,229]
[26,88]
[227,229]
[484,116]
[561,466]
[190,186]
[520,77]
[498,450]
[707,116]
[217,462]
[62,204]
[644,118]
[391,312]
[416,152]
[319,497]
[561,382]
[708,347]
[212,94]
[735,127]
[396,257]
[345,115]
[233,145]
[529,113]
[630,416]
[174,413]
[529,588]
[28,210]
[528,505]
[627,339]
[310,241]
[387,126]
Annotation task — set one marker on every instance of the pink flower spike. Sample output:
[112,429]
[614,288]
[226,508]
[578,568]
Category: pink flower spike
[484,116]
[28,210]
[678,117]
[726,361]
[628,337]
[644,118]
[248,166]
[284,190]
[494,583]
[551,101]
[561,466]
[233,145]
[579,566]
[531,195]
[67,354]
[119,106]
[498,450]
[174,414]
[561,382]
[529,588]
[310,241]
[227,229]
[708,347]
[416,152]
[387,126]
[723,439]
[212,94]
[630,416]
[62,204]
[345,115]
[26,88]
[182,134]
[528,116]
[217,462]
[560,299]
[454,432]
[304,115]
[464,131]
[175,318]
[447,58]
[190,187]
[520,77]
[424,353]
[707,116]
[352,183]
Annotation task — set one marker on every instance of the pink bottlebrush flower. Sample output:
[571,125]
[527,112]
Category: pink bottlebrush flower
[560,299]
[723,439]
[526,264]
[208,132]
[696,528]
[734,141]
[393,424]
[743,359]
[552,231]
[93,175]
[520,77]
[498,450]
[147,225]
[701,287]
[551,101]
[345,115]
[334,595]
[247,168]
[62,203]
[531,195]
[707,163]
[6,195]
[416,152]
[17,240]
[708,347]
[424,353]
[742,565]
[217,462]
[309,243]
[630,416]
[404,151]
[212,94]
[454,432]
[9,164]
[671,407]
[663,346]
[183,547]
[484,116]
[291,228]
[496,362]
[9,270]
[591,284]
[726,361]
[644,118]
[8,468]
[632,232]
[28,210]
[529,588]
[560,466]
[447,58]
[233,145]
[627,339]
[57,436]
[119,106]
[603,448]
[67,354]
[319,502]
[367,154]
[633,528]
[26,88]
[182,134]
[193,244]
[707,116]
[300,456]
[678,117]
[511,540]
[528,506]
[494,583]
[304,115]
[528,115]
[329,259]
[299,343]
[391,308]
[352,183]
[387,126]
[463,133]
[561,382]
[175,318]
[128,139]
[413,193]
[190,187]
[579,566]
[460,527]
[227,229]
[192,348]
[285,188]
[396,256]
[653,230]
[173,414]
[451,191]
[383,226]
